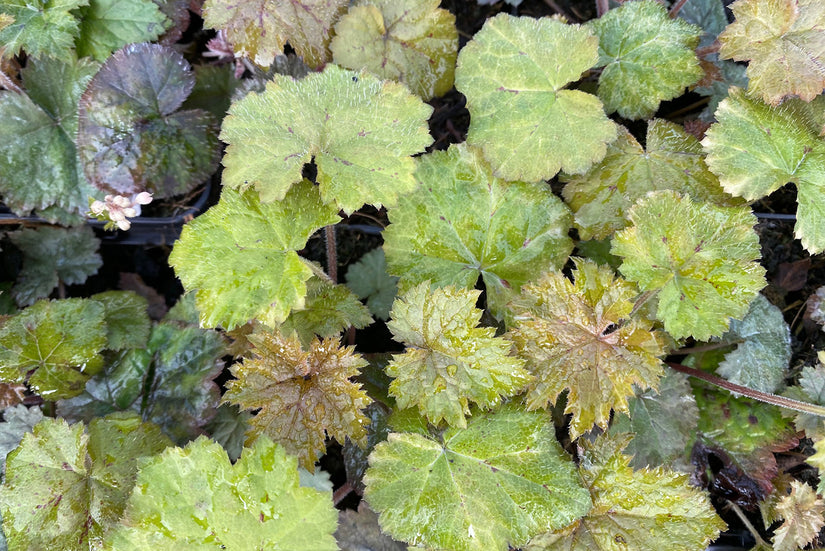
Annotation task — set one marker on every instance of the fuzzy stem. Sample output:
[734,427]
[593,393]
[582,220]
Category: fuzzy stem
[7,83]
[332,255]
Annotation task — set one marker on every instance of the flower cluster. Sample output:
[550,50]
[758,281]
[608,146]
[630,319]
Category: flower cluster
[117,209]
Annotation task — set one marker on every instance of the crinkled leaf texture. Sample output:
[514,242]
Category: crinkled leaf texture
[107,25]
[368,278]
[17,421]
[494,484]
[578,336]
[127,322]
[671,159]
[302,395]
[811,389]
[411,41]
[131,136]
[784,40]
[65,488]
[40,27]
[804,514]
[240,256]
[647,58]
[513,73]
[698,258]
[194,498]
[258,29]
[42,125]
[449,361]
[783,145]
[476,223]
[51,255]
[644,510]
[359,131]
[60,340]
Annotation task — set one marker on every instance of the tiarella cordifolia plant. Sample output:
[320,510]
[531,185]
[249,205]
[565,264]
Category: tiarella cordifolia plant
[532,406]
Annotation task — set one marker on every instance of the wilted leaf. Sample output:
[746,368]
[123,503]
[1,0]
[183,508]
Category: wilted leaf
[131,135]
[254,504]
[359,531]
[513,73]
[60,340]
[804,514]
[40,27]
[698,258]
[17,421]
[449,361]
[240,260]
[65,489]
[411,41]
[127,323]
[259,28]
[368,278]
[647,58]
[106,25]
[301,395]
[673,159]
[52,255]
[784,40]
[644,510]
[359,131]
[578,336]
[476,224]
[498,482]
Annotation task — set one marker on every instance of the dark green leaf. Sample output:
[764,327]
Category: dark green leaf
[106,25]
[127,322]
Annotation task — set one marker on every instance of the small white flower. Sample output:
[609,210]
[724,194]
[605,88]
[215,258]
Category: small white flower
[143,198]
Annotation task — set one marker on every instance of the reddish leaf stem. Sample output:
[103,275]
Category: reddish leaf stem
[332,255]
[674,10]
[342,492]
[601,7]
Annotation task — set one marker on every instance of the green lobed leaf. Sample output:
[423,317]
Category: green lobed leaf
[132,137]
[52,255]
[17,421]
[672,159]
[411,41]
[43,28]
[65,489]
[811,388]
[476,224]
[494,484]
[647,57]
[228,428]
[60,340]
[369,280]
[358,130]
[449,361]
[579,337]
[707,14]
[258,29]
[239,257]
[513,73]
[106,25]
[783,145]
[127,322]
[784,40]
[698,258]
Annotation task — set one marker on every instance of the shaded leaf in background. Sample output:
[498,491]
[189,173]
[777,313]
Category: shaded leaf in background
[784,42]
[709,15]
[730,75]
[494,484]
[228,428]
[671,159]
[106,25]
[369,280]
[65,489]
[358,130]
[254,504]
[643,510]
[804,516]
[811,388]
[411,41]
[578,336]
[661,422]
[17,421]
[698,258]
[647,57]
[449,361]
[355,456]
[513,73]
[132,137]
[42,125]
[784,145]
[476,224]
[43,28]
[239,257]
[301,395]
[127,323]
[258,29]
[60,340]
[214,86]
[359,531]
[52,255]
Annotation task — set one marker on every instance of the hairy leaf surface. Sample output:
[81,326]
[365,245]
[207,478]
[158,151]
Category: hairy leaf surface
[368,278]
[498,482]
[40,27]
[804,516]
[647,58]
[449,362]
[411,41]
[359,131]
[698,258]
[476,223]
[811,389]
[301,395]
[577,336]
[240,260]
[106,25]
[513,73]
